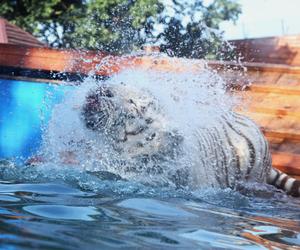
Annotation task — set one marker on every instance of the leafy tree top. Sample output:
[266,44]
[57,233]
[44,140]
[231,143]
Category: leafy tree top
[183,27]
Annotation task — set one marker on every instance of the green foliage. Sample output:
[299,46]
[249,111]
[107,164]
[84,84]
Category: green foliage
[123,25]
[114,25]
[41,18]
[200,37]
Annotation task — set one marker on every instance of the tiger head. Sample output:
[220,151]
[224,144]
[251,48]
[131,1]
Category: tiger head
[132,121]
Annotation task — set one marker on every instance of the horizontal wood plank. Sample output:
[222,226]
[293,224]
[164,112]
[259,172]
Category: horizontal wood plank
[277,125]
[280,50]
[286,162]
[274,89]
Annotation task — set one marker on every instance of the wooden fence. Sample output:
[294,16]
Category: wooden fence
[278,50]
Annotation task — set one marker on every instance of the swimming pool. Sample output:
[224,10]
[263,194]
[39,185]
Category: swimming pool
[25,109]
[58,207]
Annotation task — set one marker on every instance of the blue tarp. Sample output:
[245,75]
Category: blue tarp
[25,109]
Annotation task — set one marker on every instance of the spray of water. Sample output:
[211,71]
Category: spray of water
[188,101]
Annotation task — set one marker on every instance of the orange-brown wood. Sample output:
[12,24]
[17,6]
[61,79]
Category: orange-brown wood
[274,103]
[257,67]
[86,62]
[286,162]
[62,60]
[11,34]
[275,112]
[279,50]
[276,124]
[283,90]
[270,103]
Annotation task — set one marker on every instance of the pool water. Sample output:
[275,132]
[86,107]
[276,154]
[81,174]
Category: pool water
[70,209]
[58,207]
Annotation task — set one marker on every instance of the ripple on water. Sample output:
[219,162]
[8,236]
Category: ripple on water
[9,198]
[39,188]
[154,207]
[62,212]
[214,240]
[157,221]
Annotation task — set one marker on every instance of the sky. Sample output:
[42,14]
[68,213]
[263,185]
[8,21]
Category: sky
[262,18]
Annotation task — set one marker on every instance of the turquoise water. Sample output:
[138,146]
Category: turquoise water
[70,209]
[25,109]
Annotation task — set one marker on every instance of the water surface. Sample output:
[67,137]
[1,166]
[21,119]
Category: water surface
[77,210]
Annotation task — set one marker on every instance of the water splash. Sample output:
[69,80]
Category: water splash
[189,100]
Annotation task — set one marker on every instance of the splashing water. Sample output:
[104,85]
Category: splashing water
[188,100]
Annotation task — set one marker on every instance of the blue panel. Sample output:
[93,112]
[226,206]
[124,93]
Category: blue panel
[25,109]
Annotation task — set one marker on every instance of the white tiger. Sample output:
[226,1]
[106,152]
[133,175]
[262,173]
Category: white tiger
[229,153]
